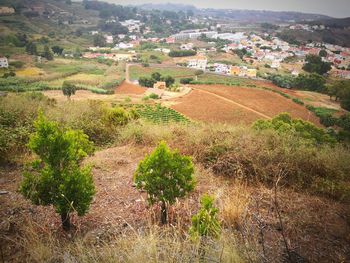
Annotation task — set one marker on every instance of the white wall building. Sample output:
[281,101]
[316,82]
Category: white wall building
[4,62]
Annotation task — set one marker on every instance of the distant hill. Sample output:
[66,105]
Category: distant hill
[333,23]
[262,15]
[168,7]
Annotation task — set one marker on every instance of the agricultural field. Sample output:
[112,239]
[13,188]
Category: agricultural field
[205,107]
[229,104]
[159,114]
[137,71]
[85,74]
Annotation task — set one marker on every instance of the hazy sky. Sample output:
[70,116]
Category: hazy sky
[335,8]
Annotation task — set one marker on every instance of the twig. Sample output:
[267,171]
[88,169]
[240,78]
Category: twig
[280,219]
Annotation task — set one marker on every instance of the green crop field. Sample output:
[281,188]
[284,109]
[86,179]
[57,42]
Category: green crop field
[138,71]
[159,114]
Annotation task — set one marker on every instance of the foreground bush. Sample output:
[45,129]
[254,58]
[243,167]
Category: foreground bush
[56,178]
[165,175]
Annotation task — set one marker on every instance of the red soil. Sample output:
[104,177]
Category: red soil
[128,88]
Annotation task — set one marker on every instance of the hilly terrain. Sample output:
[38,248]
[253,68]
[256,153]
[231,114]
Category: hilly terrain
[168,133]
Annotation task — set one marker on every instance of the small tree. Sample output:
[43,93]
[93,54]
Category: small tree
[169,81]
[165,175]
[205,223]
[57,178]
[57,50]
[198,73]
[47,53]
[156,76]
[68,89]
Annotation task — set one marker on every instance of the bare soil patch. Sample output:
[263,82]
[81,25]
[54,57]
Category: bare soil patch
[263,101]
[128,88]
[206,107]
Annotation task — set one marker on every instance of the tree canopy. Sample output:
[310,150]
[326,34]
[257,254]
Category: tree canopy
[56,178]
[165,175]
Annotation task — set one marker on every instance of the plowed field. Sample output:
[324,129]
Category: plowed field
[237,105]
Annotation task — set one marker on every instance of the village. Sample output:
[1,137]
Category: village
[258,51]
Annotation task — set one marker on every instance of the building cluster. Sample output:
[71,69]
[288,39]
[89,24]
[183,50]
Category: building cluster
[111,56]
[201,63]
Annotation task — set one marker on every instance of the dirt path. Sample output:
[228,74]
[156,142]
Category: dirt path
[237,104]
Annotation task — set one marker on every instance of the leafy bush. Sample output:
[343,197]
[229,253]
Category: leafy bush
[182,53]
[282,81]
[56,178]
[68,89]
[153,96]
[117,116]
[206,223]
[314,64]
[186,80]
[283,123]
[165,175]
[298,101]
[312,82]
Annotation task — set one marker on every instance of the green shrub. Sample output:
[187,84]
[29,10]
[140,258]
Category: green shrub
[298,101]
[153,96]
[116,116]
[283,123]
[206,223]
[186,80]
[165,175]
[182,53]
[57,178]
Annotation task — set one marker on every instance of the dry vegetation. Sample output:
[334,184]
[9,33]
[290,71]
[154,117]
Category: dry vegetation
[236,164]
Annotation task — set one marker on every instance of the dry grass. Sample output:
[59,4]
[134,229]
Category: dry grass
[234,204]
[30,72]
[152,245]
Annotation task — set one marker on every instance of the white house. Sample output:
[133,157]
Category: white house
[123,45]
[4,62]
[275,64]
[109,39]
[187,46]
[198,63]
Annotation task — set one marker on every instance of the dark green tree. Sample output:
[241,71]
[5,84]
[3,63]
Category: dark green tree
[31,48]
[57,50]
[314,64]
[68,89]
[312,82]
[47,53]
[169,80]
[156,76]
[323,53]
[57,177]
[165,175]
[146,82]
[99,40]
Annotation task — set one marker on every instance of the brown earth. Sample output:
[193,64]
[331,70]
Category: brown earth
[129,88]
[202,106]
[219,101]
